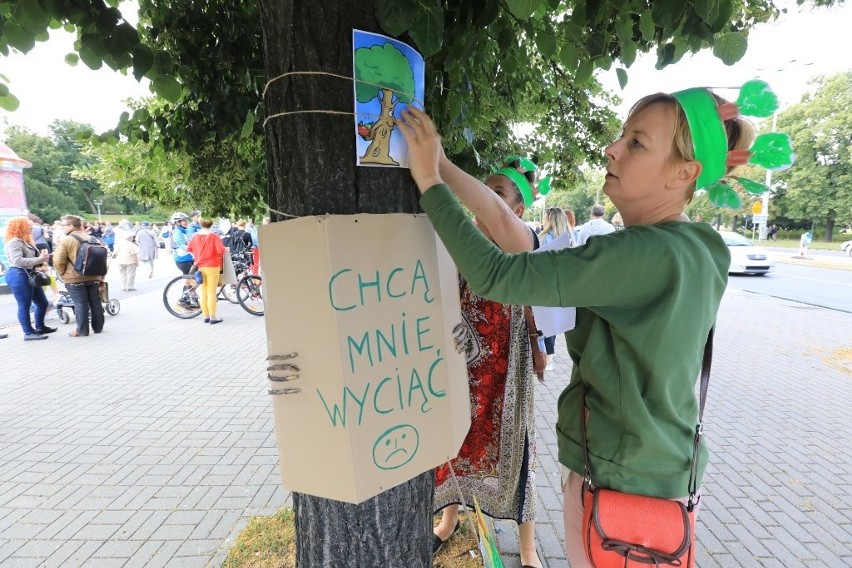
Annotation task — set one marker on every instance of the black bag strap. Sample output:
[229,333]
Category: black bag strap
[696,447]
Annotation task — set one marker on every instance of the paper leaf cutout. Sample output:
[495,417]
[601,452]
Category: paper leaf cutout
[752,186]
[723,195]
[773,151]
[757,99]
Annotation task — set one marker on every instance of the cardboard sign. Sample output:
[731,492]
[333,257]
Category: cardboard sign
[376,393]
[229,273]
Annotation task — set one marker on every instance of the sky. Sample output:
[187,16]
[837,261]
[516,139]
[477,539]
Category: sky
[786,54]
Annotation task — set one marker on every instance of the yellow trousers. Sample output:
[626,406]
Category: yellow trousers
[208,290]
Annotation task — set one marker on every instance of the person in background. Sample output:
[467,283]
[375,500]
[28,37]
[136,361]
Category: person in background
[23,256]
[180,240]
[84,289]
[56,235]
[40,237]
[194,225]
[637,346]
[96,230]
[804,243]
[251,229]
[146,238]
[3,273]
[240,239]
[496,462]
[572,225]
[167,234]
[597,225]
[207,249]
[617,221]
[109,236]
[772,233]
[127,255]
[555,225]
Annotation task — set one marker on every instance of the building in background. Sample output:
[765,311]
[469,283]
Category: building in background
[13,199]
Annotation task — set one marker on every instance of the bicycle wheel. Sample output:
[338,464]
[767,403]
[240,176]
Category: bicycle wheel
[180,298]
[250,294]
[229,292]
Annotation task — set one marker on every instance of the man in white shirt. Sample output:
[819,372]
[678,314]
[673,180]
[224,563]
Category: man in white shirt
[597,225]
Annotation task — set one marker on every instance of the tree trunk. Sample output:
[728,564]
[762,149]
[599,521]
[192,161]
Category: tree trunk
[378,152]
[311,171]
[311,156]
[829,228]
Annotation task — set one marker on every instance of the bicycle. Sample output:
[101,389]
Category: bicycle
[250,293]
[180,296]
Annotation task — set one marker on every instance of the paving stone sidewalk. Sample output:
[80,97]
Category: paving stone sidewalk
[152,443]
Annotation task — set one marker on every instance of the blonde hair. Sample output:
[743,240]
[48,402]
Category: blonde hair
[740,132]
[555,222]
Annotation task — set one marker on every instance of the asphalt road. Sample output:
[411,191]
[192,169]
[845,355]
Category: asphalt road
[824,287]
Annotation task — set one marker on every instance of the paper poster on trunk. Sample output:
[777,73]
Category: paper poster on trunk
[368,390]
[388,75]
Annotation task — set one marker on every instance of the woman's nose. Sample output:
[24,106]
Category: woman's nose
[610,151]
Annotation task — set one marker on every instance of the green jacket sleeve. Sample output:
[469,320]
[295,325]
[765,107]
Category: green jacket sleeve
[623,269]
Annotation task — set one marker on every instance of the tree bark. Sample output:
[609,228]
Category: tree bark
[311,171]
[311,156]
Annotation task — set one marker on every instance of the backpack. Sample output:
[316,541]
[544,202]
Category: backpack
[91,258]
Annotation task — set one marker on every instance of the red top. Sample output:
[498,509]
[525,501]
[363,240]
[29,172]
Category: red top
[207,250]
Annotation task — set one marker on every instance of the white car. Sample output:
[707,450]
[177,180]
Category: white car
[746,258]
[846,246]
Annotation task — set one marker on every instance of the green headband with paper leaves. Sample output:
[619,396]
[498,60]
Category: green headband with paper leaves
[772,150]
[528,191]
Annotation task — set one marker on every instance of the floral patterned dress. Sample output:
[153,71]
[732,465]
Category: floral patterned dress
[496,460]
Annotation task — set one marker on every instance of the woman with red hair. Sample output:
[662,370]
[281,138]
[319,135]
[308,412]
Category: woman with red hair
[24,256]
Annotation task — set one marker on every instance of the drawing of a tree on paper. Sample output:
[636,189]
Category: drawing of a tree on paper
[384,79]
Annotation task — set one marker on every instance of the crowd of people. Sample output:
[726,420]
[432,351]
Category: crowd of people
[31,246]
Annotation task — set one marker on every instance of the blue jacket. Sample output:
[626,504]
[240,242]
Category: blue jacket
[181,239]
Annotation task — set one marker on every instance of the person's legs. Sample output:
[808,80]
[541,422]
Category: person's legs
[526,537]
[211,281]
[123,270]
[203,297]
[550,348]
[80,297]
[449,518]
[23,292]
[184,266]
[131,276]
[40,301]
[95,305]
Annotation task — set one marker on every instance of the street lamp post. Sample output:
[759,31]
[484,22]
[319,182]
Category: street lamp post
[98,204]
[768,183]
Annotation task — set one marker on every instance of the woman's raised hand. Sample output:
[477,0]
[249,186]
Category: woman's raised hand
[424,147]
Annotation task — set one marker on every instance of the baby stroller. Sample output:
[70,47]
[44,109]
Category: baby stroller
[65,302]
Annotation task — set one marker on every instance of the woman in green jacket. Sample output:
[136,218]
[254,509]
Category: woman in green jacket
[639,337]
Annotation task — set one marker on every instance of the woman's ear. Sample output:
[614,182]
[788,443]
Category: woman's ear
[519,210]
[685,174]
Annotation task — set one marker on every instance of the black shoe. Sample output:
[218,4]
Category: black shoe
[437,543]
[33,337]
[4,335]
[215,320]
[206,320]
[45,329]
